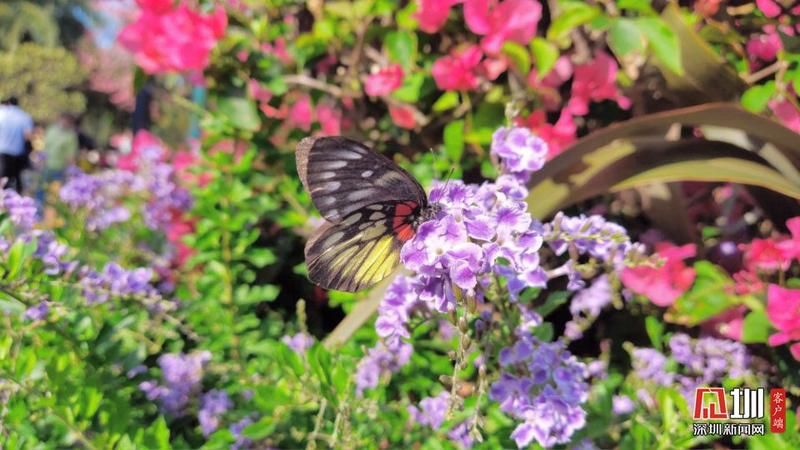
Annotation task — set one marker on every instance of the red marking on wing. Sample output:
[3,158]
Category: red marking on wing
[401,225]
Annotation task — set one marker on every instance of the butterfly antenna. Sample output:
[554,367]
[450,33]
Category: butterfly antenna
[449,175]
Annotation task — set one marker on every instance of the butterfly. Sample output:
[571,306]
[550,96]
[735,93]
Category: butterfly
[371,207]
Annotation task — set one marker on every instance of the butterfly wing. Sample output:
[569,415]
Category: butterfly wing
[362,249]
[344,176]
[370,203]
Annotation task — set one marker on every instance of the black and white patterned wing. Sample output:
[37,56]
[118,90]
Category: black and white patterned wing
[344,176]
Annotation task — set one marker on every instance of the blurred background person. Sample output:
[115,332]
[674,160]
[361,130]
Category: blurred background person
[60,151]
[16,127]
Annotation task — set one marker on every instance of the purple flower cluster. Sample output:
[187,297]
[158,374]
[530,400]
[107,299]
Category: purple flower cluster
[213,405]
[381,361]
[586,305]
[543,386]
[300,342]
[520,151]
[100,196]
[236,430]
[182,374]
[432,412]
[594,236]
[39,311]
[115,281]
[701,361]
[622,405]
[21,210]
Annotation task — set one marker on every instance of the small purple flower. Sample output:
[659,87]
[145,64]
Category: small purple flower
[519,151]
[381,361]
[182,374]
[213,404]
[622,405]
[236,430]
[21,210]
[300,342]
[650,365]
[38,312]
[432,411]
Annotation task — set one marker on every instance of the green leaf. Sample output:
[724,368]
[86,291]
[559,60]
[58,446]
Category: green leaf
[454,140]
[15,259]
[290,359]
[412,86]
[662,41]
[642,6]
[624,37]
[756,98]
[157,435]
[261,257]
[544,332]
[401,47]
[571,16]
[708,296]
[518,55]
[553,301]
[545,55]
[446,101]
[755,328]
[240,112]
[635,154]
[655,331]
[260,429]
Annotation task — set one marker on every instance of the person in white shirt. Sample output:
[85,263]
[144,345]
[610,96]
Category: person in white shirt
[16,127]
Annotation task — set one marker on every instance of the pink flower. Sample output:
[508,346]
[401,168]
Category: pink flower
[595,81]
[155,6]
[300,114]
[728,323]
[769,7]
[663,285]
[385,81]
[787,113]
[547,87]
[330,120]
[494,67]
[257,91]
[173,40]
[707,8]
[432,14]
[510,20]
[403,116]
[764,47]
[746,282]
[176,231]
[278,50]
[764,255]
[146,148]
[457,71]
[558,136]
[783,311]
[791,247]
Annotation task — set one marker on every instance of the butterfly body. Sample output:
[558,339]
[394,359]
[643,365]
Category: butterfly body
[371,205]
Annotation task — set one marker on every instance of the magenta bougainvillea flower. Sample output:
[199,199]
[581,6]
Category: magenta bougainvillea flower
[498,22]
[595,80]
[165,39]
[432,14]
[385,81]
[403,116]
[783,310]
[458,70]
[663,285]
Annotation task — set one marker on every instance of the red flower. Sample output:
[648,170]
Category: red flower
[511,20]
[728,323]
[769,8]
[172,40]
[403,116]
[385,81]
[663,285]
[595,81]
[432,14]
[783,311]
[457,71]
[155,6]
[145,148]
